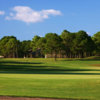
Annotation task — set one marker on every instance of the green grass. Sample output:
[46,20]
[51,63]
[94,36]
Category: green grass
[65,78]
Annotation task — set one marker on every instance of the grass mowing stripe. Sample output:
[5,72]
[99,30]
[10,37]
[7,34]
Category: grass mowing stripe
[46,78]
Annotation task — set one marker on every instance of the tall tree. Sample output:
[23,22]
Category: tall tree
[9,46]
[34,42]
[41,44]
[68,42]
[82,42]
[26,48]
[96,39]
[53,44]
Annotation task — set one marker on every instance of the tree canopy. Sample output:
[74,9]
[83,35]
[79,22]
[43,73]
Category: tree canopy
[68,44]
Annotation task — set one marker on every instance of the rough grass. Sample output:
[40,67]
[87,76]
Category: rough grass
[65,78]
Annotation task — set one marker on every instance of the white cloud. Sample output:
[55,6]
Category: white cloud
[2,12]
[88,33]
[28,15]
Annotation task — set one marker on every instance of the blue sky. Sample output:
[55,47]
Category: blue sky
[26,18]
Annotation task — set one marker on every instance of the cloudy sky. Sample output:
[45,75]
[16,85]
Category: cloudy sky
[26,18]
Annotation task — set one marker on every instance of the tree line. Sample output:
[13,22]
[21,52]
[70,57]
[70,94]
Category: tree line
[67,44]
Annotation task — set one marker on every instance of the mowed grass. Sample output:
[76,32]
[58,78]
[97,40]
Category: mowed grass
[38,77]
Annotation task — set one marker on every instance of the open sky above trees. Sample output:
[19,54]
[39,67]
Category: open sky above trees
[26,18]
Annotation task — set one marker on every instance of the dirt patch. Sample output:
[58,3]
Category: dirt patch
[26,98]
[97,65]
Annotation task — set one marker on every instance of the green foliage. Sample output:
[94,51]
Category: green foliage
[8,46]
[34,42]
[69,45]
[68,39]
[83,44]
[81,40]
[96,39]
[41,44]
[25,47]
[53,43]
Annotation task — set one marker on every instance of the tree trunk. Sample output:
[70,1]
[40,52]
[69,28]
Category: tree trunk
[55,56]
[16,53]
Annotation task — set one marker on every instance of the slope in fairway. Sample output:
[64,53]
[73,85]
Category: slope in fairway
[46,78]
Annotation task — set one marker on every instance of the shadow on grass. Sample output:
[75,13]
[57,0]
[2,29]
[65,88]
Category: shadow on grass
[93,58]
[17,62]
[34,98]
[39,68]
[82,59]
